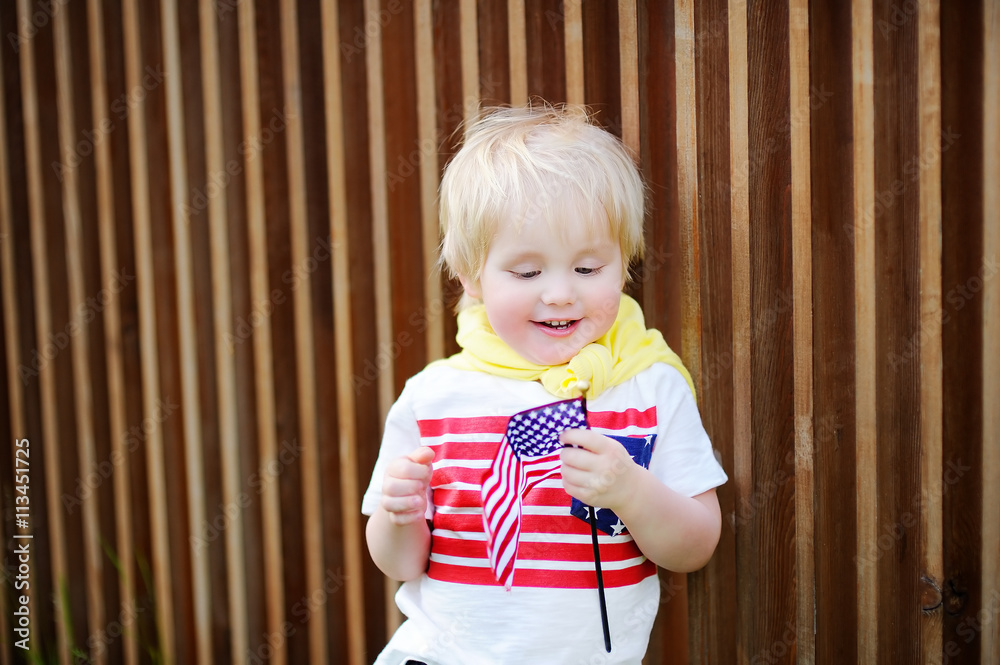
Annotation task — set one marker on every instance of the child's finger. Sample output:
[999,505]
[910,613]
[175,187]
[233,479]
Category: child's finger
[402,505]
[422,455]
[583,438]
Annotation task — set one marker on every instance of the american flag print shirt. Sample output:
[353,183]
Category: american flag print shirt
[463,416]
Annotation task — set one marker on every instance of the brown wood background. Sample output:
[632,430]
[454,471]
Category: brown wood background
[218,233]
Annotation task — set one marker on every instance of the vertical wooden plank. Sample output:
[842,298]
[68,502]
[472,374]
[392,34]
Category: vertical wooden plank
[332,555]
[834,433]
[688,218]
[106,210]
[468,19]
[347,443]
[658,153]
[687,188]
[517,32]
[546,55]
[929,139]
[406,269]
[190,402]
[805,576]
[285,468]
[991,330]
[449,109]
[263,362]
[964,270]
[218,219]
[433,308]
[380,239]
[358,251]
[305,354]
[739,183]
[655,281]
[863,130]
[573,38]
[494,52]
[895,285]
[713,592]
[83,402]
[47,372]
[380,202]
[770,589]
[628,67]
[10,284]
[139,161]
[118,250]
[602,63]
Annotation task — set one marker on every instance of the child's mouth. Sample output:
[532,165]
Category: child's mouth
[565,324]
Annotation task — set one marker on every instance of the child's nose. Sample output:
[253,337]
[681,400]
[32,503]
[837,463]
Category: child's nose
[558,292]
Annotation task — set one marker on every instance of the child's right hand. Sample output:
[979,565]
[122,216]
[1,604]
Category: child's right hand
[404,489]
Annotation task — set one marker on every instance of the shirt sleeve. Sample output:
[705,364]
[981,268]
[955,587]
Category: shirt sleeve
[683,457]
[400,438]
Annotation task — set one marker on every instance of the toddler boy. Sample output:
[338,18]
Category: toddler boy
[542,215]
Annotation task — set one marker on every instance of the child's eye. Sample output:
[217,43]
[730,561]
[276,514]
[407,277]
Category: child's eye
[525,275]
[588,271]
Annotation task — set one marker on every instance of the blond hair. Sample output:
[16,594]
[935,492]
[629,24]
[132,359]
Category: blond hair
[523,161]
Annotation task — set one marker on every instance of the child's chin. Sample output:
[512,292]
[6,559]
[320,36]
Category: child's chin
[556,357]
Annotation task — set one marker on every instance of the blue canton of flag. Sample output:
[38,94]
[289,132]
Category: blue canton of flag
[536,432]
[641,450]
[528,455]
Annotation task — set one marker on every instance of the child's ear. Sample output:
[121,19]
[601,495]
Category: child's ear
[471,287]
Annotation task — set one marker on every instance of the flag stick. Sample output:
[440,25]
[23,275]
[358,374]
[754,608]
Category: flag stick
[584,386]
[600,582]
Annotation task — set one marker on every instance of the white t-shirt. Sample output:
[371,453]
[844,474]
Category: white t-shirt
[457,612]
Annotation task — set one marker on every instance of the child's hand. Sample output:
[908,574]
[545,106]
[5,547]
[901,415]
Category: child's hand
[404,490]
[599,471]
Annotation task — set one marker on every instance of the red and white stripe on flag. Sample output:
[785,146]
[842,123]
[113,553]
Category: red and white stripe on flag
[528,454]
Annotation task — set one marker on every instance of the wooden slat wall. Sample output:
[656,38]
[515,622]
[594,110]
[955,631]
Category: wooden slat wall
[218,235]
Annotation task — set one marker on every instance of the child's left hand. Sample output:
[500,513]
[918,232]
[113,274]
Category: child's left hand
[599,471]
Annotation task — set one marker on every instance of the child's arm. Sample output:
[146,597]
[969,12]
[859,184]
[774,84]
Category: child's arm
[399,538]
[674,531]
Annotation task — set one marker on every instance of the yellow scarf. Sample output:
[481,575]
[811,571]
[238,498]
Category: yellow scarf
[625,350]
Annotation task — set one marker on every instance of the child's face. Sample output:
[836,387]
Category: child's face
[551,288]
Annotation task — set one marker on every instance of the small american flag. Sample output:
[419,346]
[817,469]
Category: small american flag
[528,455]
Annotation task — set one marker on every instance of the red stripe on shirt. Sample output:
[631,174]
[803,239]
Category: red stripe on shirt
[549,579]
[477,425]
[616,420]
